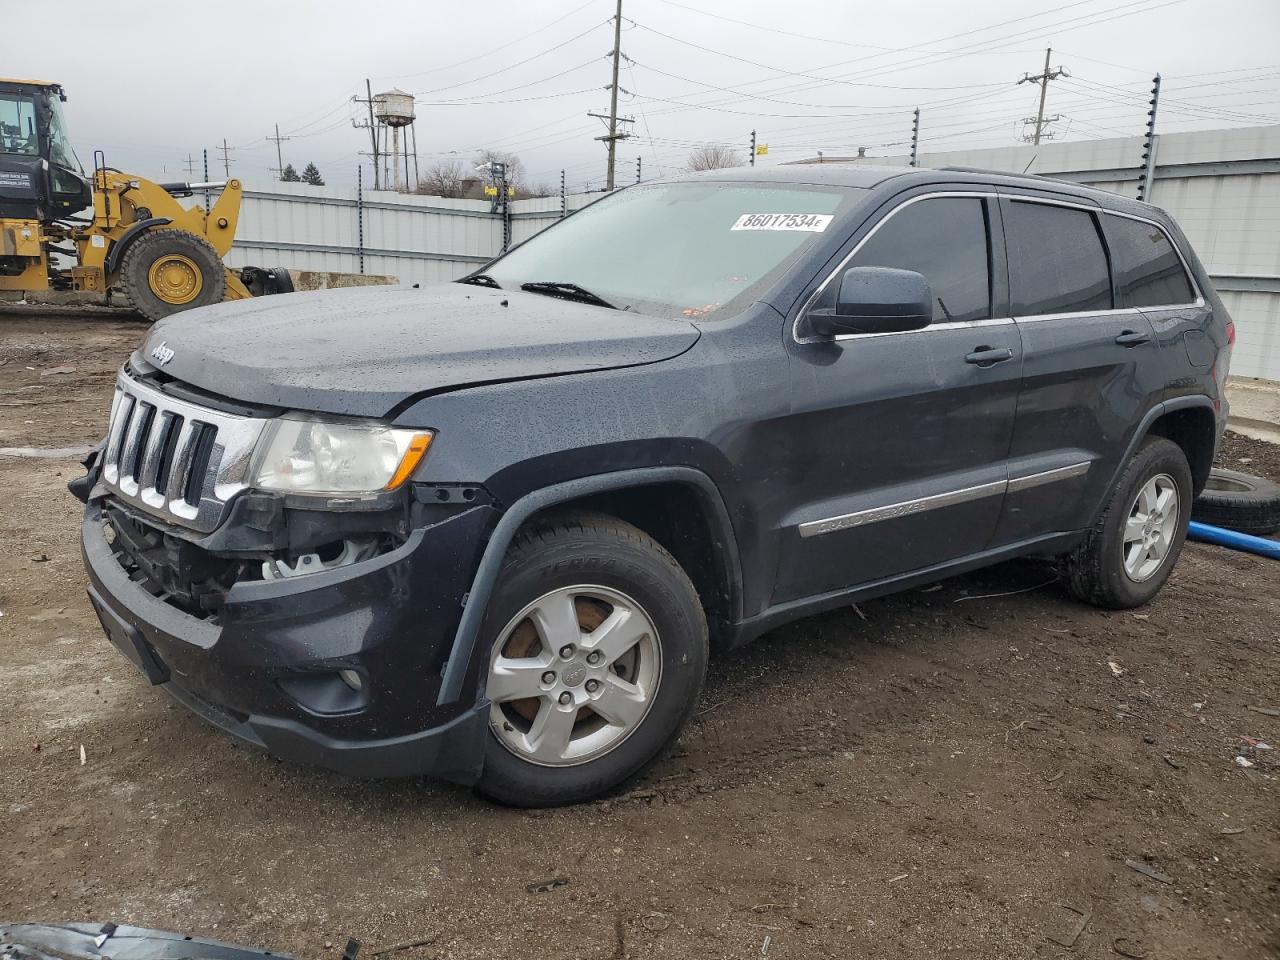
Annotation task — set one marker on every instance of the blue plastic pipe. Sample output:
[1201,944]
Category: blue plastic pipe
[1236,541]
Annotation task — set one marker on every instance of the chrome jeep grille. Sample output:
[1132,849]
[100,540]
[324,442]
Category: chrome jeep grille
[174,459]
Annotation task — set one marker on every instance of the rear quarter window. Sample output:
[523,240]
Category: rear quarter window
[1148,270]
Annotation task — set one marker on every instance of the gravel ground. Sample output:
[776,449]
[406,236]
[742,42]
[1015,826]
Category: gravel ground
[943,773]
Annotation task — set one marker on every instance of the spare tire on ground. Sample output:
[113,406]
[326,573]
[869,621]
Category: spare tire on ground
[1239,501]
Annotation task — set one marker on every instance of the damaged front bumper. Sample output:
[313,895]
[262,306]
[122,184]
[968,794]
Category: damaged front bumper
[270,667]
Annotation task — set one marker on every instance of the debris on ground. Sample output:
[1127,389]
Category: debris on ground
[1243,762]
[1069,938]
[62,368]
[1265,711]
[1148,871]
[546,885]
[1129,948]
[656,921]
[1116,669]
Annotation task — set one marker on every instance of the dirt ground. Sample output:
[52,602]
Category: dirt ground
[939,774]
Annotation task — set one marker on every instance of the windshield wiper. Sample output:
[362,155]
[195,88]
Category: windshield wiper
[481,280]
[566,291]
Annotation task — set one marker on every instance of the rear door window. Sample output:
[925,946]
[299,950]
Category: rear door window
[1057,263]
[1149,272]
[945,240]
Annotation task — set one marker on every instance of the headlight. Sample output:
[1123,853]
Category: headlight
[312,456]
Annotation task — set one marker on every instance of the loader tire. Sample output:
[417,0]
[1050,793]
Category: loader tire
[165,271]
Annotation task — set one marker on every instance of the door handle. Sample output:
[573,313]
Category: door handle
[1131,338]
[989,356]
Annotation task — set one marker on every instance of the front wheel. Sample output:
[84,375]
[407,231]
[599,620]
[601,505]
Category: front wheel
[167,270]
[1131,550]
[597,652]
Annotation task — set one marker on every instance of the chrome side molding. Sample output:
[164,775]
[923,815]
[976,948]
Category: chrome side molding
[906,508]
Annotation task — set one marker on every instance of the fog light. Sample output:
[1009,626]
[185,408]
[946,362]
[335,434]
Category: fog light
[351,679]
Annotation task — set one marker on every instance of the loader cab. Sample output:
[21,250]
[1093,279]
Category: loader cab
[40,176]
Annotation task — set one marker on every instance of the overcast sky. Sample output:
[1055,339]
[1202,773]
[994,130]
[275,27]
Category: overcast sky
[152,83]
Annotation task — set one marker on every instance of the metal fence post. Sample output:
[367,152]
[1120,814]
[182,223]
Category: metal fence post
[360,215]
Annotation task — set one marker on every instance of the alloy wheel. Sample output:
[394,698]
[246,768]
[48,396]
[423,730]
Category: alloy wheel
[572,675]
[1151,527]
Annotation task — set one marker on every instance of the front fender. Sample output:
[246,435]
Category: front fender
[486,575]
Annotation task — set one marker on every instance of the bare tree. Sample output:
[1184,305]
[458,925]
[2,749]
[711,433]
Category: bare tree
[446,178]
[540,190]
[712,156]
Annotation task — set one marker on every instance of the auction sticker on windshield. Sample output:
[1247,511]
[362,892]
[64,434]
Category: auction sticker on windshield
[811,222]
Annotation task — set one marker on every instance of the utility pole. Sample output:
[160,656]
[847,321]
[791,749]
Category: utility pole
[638,162]
[1041,121]
[279,159]
[1149,144]
[613,136]
[226,158]
[372,126]
[752,158]
[915,136]
[191,165]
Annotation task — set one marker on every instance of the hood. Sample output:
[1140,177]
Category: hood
[365,350]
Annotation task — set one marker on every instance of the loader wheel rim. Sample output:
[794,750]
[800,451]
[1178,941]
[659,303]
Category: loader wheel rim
[175,278]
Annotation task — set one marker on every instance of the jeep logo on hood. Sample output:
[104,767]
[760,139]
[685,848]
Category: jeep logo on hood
[162,353]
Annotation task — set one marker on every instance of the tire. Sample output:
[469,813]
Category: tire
[1097,571]
[165,271]
[1239,501]
[600,571]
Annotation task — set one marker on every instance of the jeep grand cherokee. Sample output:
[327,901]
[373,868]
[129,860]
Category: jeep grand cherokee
[489,530]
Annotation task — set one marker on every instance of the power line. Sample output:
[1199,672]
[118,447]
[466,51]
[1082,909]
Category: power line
[521,37]
[519,63]
[986,46]
[774,30]
[927,43]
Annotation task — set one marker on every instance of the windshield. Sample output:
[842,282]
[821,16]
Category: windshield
[18,125]
[686,249]
[60,150]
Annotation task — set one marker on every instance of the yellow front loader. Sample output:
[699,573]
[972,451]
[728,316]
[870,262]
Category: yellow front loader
[140,240]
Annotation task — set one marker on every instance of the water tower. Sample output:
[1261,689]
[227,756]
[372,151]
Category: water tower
[393,111]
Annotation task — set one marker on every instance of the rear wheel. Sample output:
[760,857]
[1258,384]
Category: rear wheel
[165,271]
[1131,550]
[598,647]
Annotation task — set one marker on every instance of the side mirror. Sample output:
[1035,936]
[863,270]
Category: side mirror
[875,300]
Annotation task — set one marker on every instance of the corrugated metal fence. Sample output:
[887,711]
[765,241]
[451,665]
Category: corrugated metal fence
[1223,186]
[417,239]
